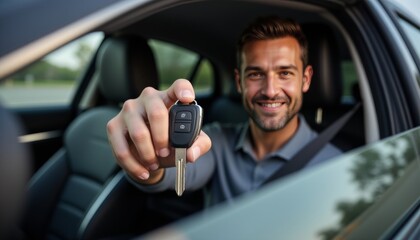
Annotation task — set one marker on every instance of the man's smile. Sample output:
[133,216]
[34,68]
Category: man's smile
[271,105]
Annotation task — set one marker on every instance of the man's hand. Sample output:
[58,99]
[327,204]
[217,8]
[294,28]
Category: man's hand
[139,134]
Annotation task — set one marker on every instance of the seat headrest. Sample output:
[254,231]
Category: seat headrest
[323,54]
[126,65]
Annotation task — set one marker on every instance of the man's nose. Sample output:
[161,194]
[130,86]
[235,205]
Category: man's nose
[270,89]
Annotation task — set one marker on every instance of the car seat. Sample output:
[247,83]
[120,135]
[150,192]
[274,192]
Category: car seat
[69,195]
[323,104]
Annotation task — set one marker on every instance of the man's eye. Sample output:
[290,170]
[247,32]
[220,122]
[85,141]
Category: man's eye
[285,74]
[254,75]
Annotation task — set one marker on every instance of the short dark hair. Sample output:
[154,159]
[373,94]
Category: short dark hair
[271,27]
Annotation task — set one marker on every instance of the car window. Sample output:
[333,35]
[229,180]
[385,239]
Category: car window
[51,80]
[373,187]
[174,62]
[349,77]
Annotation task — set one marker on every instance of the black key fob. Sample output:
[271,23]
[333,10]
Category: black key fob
[185,122]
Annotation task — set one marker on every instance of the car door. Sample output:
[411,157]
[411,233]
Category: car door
[374,195]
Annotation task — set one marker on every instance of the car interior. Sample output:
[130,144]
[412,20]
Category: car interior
[76,189]
[81,193]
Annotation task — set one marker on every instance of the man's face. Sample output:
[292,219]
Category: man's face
[272,80]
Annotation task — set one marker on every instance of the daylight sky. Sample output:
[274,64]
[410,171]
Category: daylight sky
[412,6]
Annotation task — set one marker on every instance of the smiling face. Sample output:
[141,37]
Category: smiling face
[271,80]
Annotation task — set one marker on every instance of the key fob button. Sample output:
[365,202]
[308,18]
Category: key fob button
[182,127]
[184,115]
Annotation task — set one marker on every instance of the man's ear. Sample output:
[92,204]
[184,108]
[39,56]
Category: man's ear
[238,81]
[307,78]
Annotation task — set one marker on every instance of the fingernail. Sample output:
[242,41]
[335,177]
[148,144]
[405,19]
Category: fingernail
[187,94]
[164,152]
[154,167]
[196,153]
[144,176]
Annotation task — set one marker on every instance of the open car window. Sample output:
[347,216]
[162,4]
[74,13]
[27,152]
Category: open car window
[53,79]
[174,62]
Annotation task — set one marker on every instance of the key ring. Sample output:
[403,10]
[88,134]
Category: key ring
[194,102]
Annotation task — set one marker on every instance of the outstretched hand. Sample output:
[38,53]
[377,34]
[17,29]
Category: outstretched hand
[139,133]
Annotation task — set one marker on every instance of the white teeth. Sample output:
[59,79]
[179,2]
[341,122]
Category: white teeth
[271,105]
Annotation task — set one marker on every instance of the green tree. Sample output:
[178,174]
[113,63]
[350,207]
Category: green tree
[43,70]
[83,53]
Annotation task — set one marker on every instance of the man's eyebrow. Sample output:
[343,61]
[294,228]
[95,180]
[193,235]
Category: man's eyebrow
[282,67]
[252,68]
[291,66]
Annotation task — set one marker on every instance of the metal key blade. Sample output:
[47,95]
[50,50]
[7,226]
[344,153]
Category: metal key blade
[180,163]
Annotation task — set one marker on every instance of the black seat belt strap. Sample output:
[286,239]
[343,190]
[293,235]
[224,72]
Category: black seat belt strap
[300,159]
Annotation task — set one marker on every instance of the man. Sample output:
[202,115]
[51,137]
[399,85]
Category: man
[272,75]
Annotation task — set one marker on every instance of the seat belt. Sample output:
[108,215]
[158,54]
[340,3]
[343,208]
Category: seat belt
[302,157]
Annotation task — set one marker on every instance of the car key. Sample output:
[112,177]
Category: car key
[184,126]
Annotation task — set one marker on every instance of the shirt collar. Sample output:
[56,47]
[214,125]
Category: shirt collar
[243,136]
[303,135]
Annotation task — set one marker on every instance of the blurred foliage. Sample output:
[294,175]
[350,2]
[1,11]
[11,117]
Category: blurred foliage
[373,172]
[174,62]
[349,76]
[83,54]
[44,71]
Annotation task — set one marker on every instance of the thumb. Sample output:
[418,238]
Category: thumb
[181,90]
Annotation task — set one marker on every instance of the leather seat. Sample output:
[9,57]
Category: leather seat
[322,104]
[70,194]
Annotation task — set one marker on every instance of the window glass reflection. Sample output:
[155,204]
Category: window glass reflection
[377,173]
[359,195]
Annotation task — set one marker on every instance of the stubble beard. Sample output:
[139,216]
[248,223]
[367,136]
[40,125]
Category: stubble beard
[275,123]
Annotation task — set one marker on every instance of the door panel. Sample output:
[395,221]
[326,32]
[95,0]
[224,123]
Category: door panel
[43,131]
